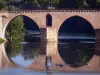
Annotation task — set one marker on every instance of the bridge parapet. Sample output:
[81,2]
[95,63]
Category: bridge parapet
[65,10]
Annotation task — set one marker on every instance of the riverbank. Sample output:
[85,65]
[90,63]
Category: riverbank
[1,40]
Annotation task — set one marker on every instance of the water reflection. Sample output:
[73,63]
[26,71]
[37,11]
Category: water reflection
[23,54]
[73,53]
[76,53]
[48,61]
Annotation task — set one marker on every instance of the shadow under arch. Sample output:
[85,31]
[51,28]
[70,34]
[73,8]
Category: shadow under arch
[76,24]
[75,46]
[48,20]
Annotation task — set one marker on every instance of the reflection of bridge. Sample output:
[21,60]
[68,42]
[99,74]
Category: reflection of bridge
[40,64]
[49,33]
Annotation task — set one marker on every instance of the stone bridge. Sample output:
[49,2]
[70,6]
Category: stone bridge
[49,33]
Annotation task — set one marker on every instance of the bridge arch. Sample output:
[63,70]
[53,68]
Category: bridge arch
[77,25]
[77,16]
[8,23]
[13,17]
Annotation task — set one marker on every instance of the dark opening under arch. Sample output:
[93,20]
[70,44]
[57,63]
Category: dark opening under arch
[76,41]
[48,20]
[77,24]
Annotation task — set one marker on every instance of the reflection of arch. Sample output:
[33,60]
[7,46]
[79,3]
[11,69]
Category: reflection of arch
[4,29]
[8,61]
[77,21]
[48,20]
[75,58]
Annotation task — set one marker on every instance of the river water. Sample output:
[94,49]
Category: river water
[74,51]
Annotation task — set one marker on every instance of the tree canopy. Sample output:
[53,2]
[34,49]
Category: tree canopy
[44,4]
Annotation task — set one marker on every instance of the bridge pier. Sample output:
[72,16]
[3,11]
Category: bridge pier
[49,40]
[49,34]
[97,33]
[43,34]
[3,59]
[52,34]
[1,54]
[51,48]
[97,44]
[1,27]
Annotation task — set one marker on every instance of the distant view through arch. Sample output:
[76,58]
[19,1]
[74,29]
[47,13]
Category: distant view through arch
[23,40]
[76,41]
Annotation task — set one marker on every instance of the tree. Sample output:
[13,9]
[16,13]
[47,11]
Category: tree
[42,4]
[16,30]
[98,3]
[82,4]
[3,5]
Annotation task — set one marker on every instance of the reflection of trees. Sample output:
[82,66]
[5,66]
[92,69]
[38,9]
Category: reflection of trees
[76,54]
[28,51]
[13,49]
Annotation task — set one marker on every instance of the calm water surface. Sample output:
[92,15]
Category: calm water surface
[23,72]
[74,53]
[23,53]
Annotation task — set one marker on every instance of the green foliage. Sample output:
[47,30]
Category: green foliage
[79,3]
[1,40]
[15,30]
[43,3]
[98,3]
[3,5]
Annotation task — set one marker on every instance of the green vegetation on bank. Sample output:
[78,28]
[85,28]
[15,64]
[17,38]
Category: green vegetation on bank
[1,40]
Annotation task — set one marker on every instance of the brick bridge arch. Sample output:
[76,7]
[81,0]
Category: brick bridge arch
[89,18]
[84,19]
[7,20]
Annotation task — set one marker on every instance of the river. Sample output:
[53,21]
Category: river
[73,51]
